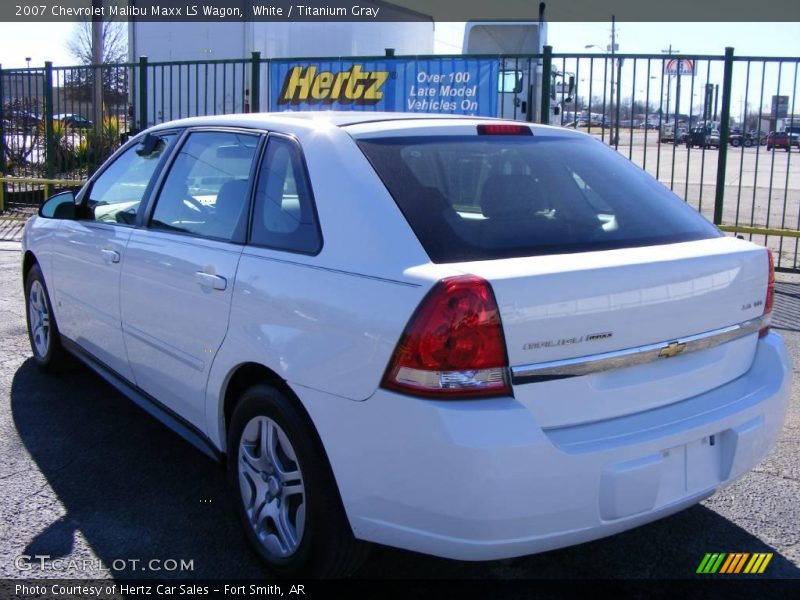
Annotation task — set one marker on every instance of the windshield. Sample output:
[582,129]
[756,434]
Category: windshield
[486,197]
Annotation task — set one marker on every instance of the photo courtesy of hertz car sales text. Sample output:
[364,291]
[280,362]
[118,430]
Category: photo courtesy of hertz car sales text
[467,337]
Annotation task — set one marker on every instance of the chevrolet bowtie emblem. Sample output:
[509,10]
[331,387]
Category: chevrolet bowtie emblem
[672,349]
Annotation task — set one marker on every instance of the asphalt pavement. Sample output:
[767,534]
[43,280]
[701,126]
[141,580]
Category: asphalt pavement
[105,491]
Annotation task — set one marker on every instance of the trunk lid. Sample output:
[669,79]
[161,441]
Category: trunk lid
[562,307]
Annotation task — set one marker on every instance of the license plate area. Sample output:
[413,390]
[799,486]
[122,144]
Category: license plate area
[690,468]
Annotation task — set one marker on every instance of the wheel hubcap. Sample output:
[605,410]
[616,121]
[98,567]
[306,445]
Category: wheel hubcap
[39,318]
[272,487]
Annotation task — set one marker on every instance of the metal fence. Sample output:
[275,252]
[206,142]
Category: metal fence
[699,124]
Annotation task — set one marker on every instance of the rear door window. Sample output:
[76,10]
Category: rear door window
[498,196]
[284,214]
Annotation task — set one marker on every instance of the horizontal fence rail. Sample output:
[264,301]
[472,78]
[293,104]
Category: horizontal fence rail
[700,124]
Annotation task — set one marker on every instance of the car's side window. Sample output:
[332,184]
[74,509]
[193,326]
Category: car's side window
[284,216]
[115,196]
[207,189]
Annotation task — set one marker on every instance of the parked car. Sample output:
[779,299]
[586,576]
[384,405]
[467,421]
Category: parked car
[593,121]
[466,337]
[794,135]
[667,133]
[702,137]
[20,121]
[761,136]
[73,121]
[778,139]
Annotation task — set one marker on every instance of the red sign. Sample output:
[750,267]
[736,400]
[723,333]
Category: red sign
[679,66]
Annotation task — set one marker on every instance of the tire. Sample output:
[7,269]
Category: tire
[769,147]
[43,332]
[736,143]
[748,143]
[287,499]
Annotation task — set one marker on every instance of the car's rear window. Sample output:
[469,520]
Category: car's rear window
[498,196]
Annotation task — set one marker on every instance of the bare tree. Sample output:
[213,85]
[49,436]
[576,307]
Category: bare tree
[115,42]
[115,51]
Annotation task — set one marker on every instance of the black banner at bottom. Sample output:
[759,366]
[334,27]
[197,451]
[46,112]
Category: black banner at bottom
[708,587]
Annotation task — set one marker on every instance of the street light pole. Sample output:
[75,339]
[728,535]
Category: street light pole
[613,137]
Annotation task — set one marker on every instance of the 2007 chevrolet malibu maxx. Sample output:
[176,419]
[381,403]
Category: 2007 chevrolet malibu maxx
[471,338]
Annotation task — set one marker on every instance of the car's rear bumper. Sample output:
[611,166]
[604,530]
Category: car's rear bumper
[479,480]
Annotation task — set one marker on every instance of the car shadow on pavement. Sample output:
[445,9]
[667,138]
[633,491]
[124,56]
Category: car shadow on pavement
[135,490]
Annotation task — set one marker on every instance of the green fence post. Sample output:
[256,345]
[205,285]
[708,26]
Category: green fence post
[49,147]
[255,83]
[547,69]
[143,93]
[724,133]
[2,145]
[616,94]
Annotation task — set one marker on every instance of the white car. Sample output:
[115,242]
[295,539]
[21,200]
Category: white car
[471,338]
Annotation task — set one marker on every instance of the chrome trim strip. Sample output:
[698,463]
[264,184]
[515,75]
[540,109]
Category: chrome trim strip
[584,365]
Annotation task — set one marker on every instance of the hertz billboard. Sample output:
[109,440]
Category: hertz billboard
[459,86]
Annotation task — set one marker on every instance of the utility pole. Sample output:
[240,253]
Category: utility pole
[613,48]
[669,52]
[97,59]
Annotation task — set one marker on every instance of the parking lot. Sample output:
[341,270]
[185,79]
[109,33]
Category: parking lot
[762,188]
[90,478]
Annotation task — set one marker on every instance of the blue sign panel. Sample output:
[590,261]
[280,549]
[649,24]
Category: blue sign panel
[458,86]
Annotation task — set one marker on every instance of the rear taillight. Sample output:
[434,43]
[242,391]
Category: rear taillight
[453,347]
[770,299]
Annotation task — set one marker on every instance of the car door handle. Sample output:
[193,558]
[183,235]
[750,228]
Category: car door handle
[216,282]
[110,255]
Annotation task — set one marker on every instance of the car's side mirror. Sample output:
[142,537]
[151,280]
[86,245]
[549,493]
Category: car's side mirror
[60,206]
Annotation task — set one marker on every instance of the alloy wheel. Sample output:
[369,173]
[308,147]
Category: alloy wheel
[272,488]
[39,318]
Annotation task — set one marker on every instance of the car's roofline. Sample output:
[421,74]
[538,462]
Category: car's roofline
[354,122]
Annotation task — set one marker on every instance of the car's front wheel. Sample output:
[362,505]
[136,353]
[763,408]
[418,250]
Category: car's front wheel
[42,327]
[287,499]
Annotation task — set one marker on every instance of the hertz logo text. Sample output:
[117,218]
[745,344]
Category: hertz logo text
[353,86]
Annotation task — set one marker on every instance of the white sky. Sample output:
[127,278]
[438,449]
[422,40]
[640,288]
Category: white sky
[46,41]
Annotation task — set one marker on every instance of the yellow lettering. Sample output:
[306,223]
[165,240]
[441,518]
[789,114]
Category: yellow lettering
[374,93]
[322,86]
[306,84]
[297,85]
